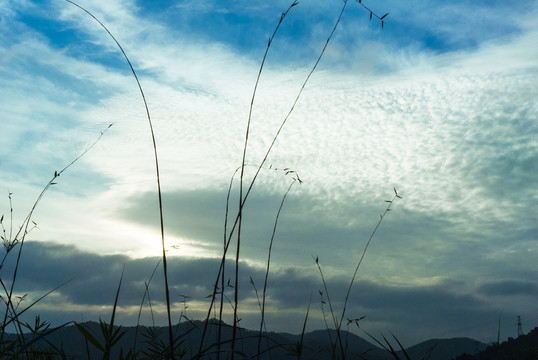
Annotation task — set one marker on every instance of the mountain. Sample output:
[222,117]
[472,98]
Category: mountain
[316,344]
[525,347]
[444,349]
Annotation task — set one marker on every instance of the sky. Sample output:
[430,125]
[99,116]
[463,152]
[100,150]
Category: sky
[440,105]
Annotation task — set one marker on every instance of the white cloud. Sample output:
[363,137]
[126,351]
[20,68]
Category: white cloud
[430,135]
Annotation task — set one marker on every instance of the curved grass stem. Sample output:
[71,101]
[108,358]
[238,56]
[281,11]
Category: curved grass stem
[165,267]
[20,237]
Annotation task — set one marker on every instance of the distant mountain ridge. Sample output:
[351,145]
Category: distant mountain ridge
[524,347]
[316,344]
[445,349]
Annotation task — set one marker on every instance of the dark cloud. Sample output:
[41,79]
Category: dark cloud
[94,278]
[199,215]
[402,309]
[510,288]
[408,243]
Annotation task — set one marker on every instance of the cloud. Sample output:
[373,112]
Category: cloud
[450,26]
[510,288]
[401,310]
[411,248]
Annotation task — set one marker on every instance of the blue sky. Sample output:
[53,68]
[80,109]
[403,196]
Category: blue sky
[440,104]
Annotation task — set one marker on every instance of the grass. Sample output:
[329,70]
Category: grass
[23,346]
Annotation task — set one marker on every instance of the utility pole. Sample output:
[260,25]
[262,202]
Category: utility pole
[519,329]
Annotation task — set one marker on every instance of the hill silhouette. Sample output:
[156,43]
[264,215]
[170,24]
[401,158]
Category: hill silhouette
[525,347]
[317,345]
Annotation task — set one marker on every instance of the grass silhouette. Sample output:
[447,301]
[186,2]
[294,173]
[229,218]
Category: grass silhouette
[23,348]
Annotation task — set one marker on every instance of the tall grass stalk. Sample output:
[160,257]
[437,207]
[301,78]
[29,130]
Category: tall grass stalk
[240,215]
[158,177]
[338,322]
[300,345]
[146,294]
[324,314]
[264,294]
[331,311]
[39,330]
[222,267]
[19,239]
[381,217]
[223,284]
[243,198]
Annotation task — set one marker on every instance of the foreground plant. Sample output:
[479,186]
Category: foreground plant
[13,243]
[110,334]
[243,195]
[172,350]
[157,176]
[338,322]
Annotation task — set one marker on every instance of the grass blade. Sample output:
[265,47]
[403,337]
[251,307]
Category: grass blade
[161,217]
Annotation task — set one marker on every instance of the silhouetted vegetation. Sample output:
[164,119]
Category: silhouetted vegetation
[524,347]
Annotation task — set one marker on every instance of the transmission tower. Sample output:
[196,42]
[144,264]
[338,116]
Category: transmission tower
[519,329]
